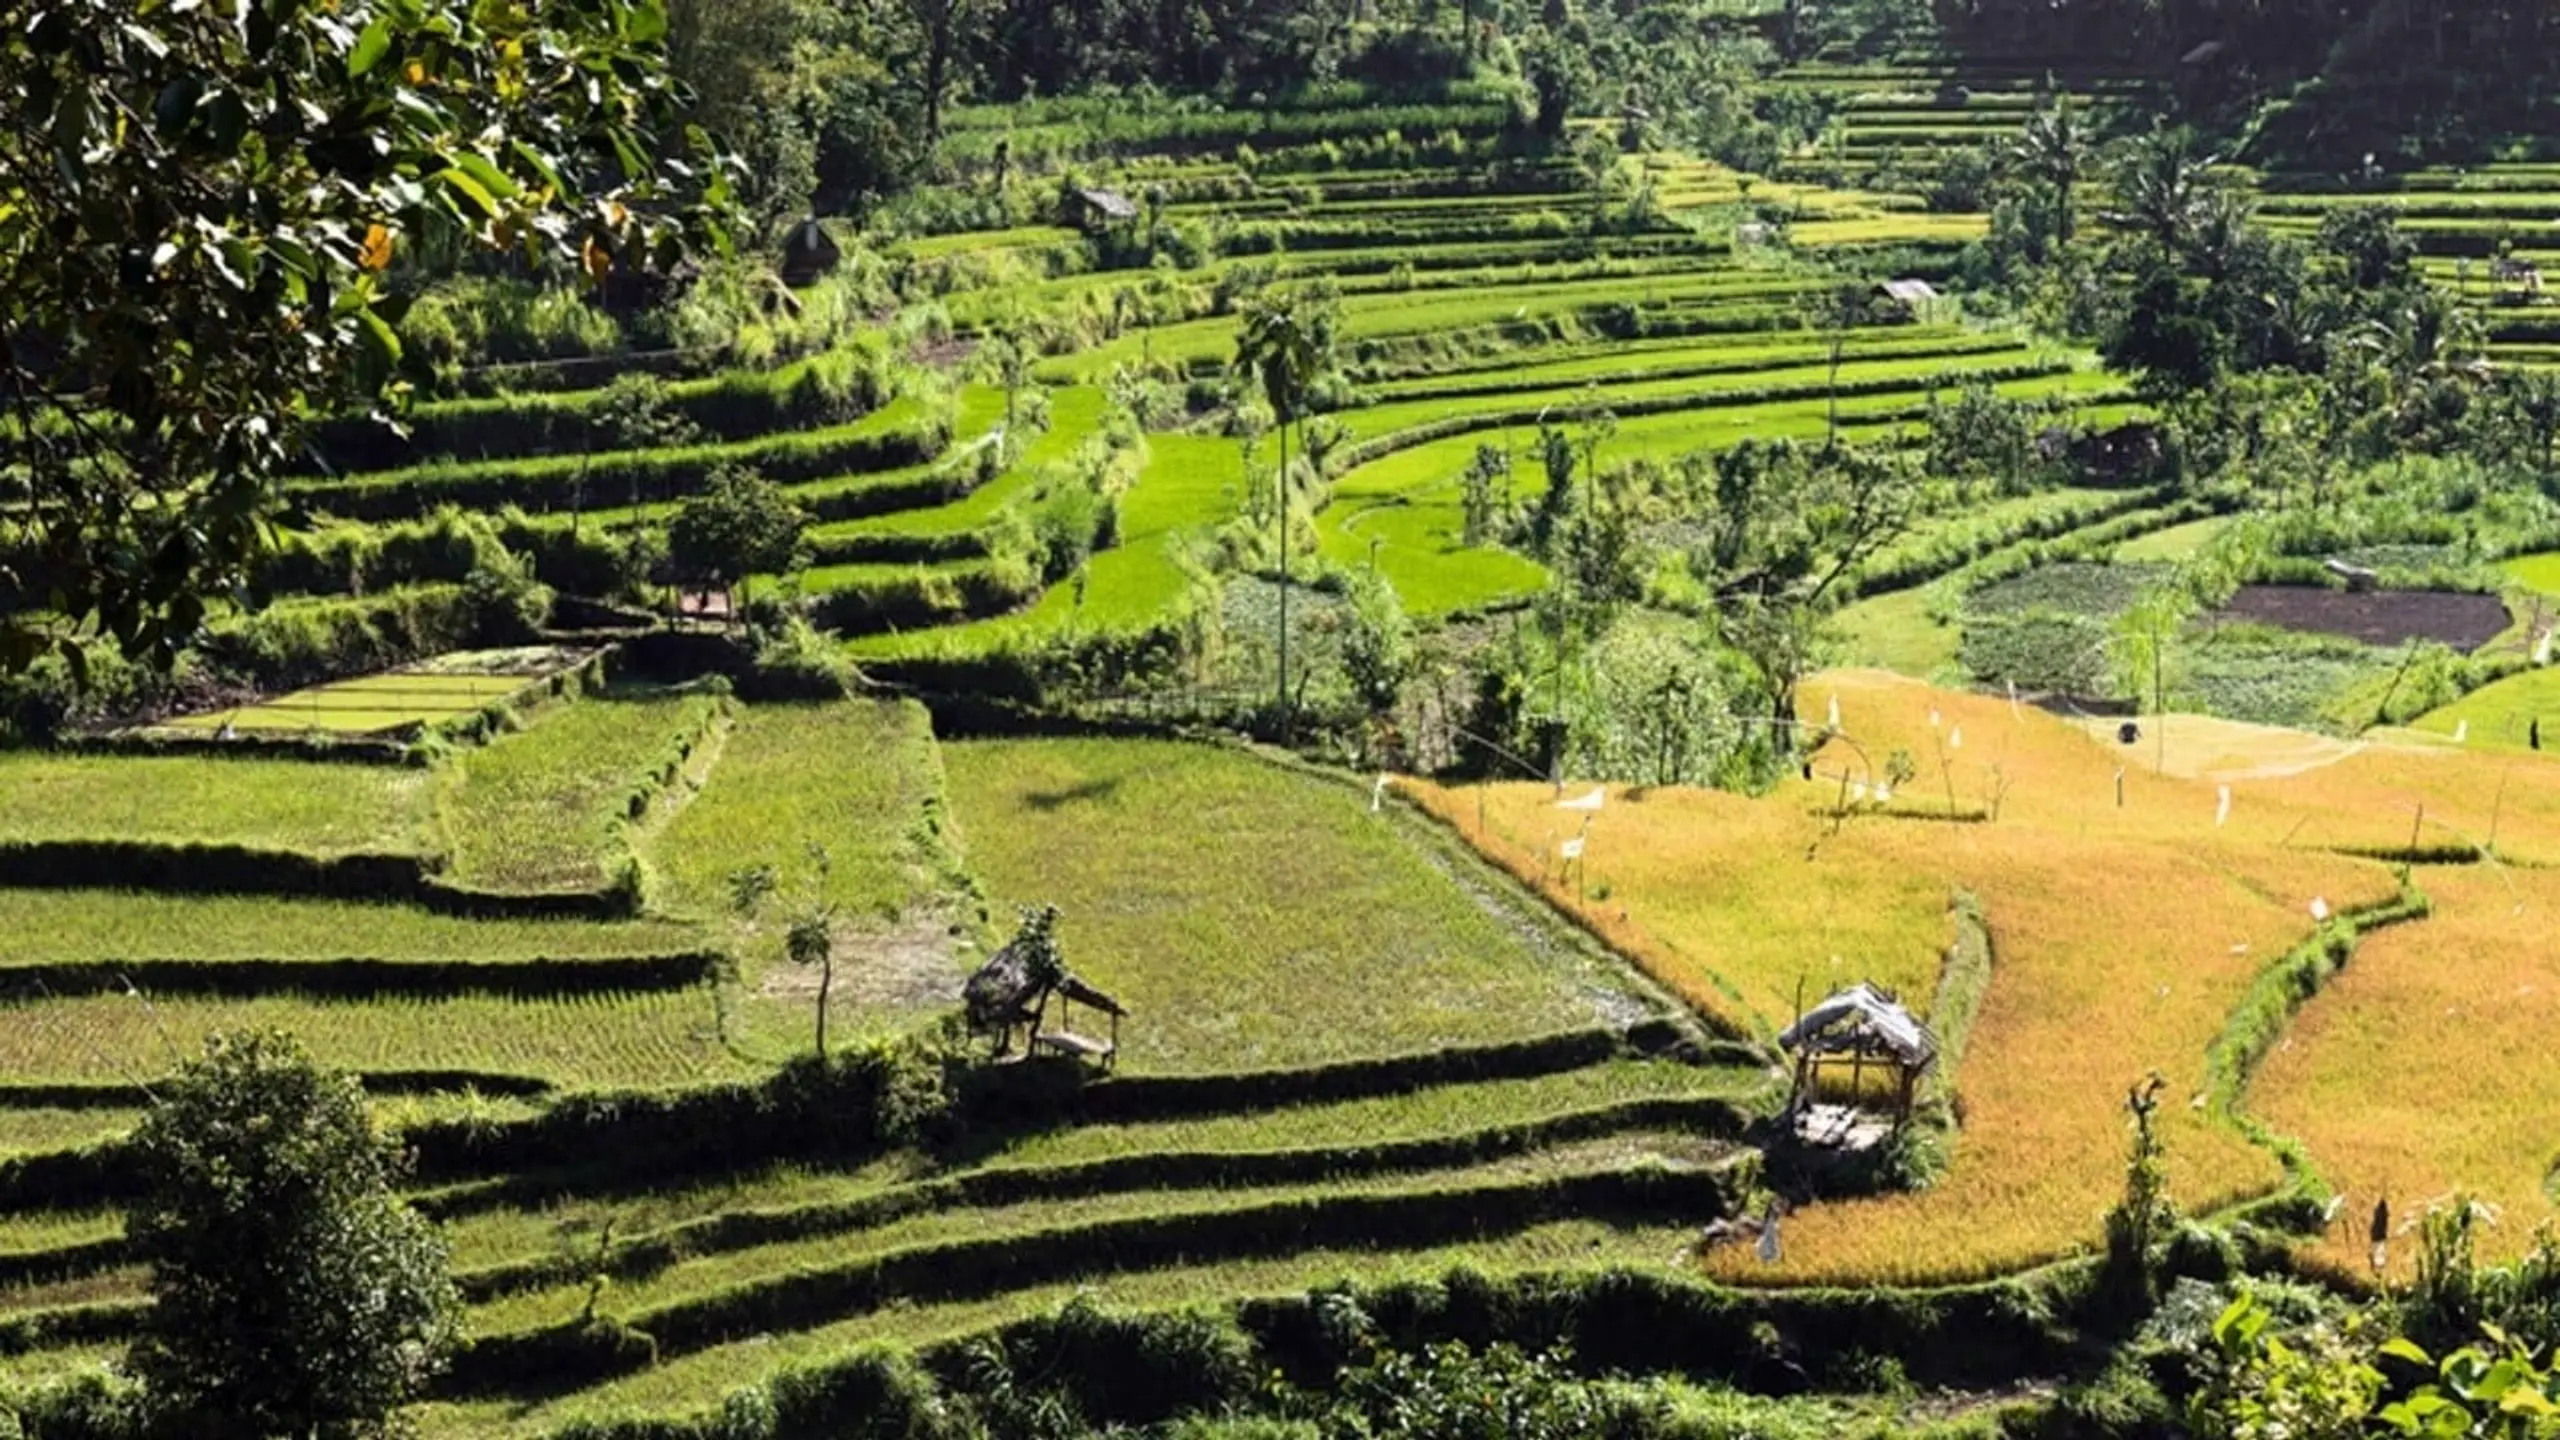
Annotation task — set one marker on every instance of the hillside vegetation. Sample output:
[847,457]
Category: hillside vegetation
[1423,582]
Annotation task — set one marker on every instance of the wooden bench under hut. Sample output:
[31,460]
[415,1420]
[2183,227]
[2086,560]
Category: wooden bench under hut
[1015,988]
[1859,1027]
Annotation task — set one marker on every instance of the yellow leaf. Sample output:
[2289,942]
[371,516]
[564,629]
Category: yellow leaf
[417,72]
[377,249]
[598,263]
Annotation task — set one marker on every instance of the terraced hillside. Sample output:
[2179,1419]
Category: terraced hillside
[1893,123]
[1385,1056]
[1896,126]
[1482,289]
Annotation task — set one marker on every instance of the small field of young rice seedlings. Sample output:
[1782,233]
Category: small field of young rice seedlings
[1174,865]
[856,780]
[547,808]
[363,706]
[313,807]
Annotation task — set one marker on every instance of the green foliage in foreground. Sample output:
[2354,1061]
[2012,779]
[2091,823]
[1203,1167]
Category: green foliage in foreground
[293,1292]
[210,249]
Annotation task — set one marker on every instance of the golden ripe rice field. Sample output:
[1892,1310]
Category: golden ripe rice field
[2426,1066]
[2133,895]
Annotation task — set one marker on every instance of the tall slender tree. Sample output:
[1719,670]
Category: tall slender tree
[2054,149]
[1282,346]
[941,26]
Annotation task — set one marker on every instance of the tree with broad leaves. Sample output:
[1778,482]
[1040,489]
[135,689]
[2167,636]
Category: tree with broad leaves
[202,211]
[2533,408]
[293,1291]
[740,525]
[1791,524]
[941,26]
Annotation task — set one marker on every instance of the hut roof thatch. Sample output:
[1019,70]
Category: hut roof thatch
[1862,1020]
[1006,990]
[1085,995]
[1110,204]
[1003,989]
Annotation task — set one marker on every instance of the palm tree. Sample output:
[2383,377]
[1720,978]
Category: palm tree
[1282,346]
[2163,185]
[811,939]
[2218,228]
[2054,148]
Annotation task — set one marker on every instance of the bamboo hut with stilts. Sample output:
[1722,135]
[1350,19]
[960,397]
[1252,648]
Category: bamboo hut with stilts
[1859,1027]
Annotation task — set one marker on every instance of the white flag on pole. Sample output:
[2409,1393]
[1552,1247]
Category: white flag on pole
[1571,849]
[1955,738]
[1835,712]
[1884,794]
[1378,795]
[1592,801]
[1858,791]
[2319,908]
[2461,731]
[2222,806]
[1935,719]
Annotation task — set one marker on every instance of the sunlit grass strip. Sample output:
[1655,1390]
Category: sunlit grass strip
[650,1038]
[1349,942]
[317,808]
[694,1312]
[103,926]
[850,776]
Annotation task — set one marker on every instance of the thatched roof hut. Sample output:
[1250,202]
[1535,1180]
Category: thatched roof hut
[1015,987]
[1097,209]
[1863,1019]
[808,253]
[1861,1026]
[1004,991]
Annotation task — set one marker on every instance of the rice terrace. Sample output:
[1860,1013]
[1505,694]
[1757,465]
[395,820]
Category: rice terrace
[1233,719]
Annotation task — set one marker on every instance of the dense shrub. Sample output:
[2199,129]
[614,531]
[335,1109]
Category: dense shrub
[832,388]
[301,642]
[921,598]
[572,482]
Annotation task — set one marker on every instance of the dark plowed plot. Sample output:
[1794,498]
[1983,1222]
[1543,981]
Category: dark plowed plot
[2380,617]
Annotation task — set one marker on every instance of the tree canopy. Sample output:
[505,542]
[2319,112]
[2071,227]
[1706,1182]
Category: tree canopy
[294,1292]
[208,218]
[740,525]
